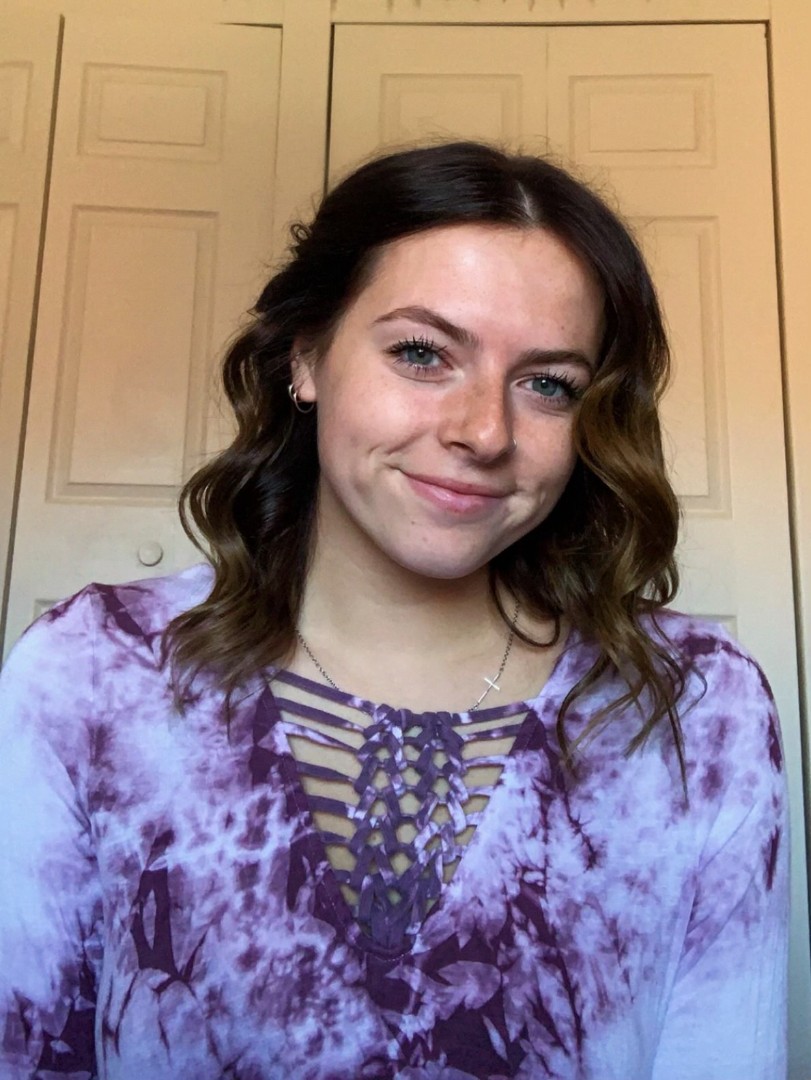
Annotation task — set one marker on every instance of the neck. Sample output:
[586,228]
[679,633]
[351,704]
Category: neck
[390,635]
[362,597]
[387,634]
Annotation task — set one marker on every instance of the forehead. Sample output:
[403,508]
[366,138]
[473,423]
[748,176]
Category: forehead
[501,283]
[471,259]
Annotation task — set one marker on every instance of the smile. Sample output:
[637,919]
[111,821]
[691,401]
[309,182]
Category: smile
[455,496]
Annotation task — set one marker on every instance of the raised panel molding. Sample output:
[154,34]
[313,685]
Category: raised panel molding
[643,120]
[483,106]
[146,112]
[683,252]
[126,382]
[8,228]
[15,82]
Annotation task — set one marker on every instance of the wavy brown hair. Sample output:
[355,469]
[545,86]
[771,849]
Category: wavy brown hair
[603,558]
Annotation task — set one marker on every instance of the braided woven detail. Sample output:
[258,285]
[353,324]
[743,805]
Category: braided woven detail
[396,818]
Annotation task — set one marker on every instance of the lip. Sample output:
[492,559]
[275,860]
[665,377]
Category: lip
[460,487]
[455,496]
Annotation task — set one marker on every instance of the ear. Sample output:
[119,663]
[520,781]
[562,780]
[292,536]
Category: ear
[302,371]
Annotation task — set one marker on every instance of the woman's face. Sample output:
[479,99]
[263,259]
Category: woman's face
[447,397]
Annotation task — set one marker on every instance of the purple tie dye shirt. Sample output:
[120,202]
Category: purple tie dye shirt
[167,909]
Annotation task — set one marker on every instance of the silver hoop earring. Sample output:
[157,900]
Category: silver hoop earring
[302,407]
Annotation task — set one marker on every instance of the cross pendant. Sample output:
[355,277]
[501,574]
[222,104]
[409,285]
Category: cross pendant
[491,685]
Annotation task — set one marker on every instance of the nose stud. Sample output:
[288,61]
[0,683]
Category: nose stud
[514,445]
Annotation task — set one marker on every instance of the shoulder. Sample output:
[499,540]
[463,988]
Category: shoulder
[100,626]
[144,608]
[141,609]
[708,653]
[103,643]
[727,712]
[718,670]
[692,635]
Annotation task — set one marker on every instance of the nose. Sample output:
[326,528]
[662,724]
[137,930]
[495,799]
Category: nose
[477,416]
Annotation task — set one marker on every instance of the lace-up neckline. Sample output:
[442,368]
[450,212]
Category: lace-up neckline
[394,796]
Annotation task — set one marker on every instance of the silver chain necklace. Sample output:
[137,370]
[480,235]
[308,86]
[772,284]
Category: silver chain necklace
[492,684]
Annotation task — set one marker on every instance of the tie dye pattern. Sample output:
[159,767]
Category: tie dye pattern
[167,909]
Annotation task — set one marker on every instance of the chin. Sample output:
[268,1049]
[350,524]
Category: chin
[449,568]
[444,573]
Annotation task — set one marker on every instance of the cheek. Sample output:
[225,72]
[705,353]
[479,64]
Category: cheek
[547,477]
[570,458]
[554,457]
[353,433]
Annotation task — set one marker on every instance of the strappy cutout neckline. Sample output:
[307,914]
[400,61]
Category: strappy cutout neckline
[392,798]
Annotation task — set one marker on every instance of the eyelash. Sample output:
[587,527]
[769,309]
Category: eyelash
[398,352]
[572,391]
[565,382]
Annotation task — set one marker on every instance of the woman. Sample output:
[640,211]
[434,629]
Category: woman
[417,778]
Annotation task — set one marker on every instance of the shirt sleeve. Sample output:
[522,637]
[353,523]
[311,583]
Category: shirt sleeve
[50,898]
[726,1016]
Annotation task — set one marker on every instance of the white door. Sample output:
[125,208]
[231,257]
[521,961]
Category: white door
[158,234]
[676,120]
[673,123]
[394,84]
[28,45]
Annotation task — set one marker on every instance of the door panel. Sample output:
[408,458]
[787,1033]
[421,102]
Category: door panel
[28,46]
[676,122]
[159,229]
[672,123]
[392,85]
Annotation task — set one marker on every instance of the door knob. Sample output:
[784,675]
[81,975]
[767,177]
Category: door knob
[150,553]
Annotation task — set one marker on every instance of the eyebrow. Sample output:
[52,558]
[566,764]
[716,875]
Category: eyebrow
[461,336]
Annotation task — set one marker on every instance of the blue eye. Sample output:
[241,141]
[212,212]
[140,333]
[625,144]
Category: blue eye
[418,354]
[558,388]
